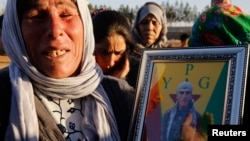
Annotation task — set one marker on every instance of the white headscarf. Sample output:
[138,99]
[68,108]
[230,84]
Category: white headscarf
[27,80]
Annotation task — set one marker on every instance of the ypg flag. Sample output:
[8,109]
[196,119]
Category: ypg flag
[209,80]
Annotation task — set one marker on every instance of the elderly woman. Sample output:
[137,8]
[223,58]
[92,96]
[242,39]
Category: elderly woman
[150,27]
[53,88]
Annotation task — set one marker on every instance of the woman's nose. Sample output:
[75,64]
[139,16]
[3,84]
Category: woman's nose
[150,25]
[55,26]
[111,60]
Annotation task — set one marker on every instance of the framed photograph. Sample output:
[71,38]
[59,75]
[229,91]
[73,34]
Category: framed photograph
[188,86]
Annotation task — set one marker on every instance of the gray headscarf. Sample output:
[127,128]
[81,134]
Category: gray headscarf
[27,80]
[158,12]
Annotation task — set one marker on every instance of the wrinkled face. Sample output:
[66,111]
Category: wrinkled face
[110,53]
[53,35]
[150,29]
[183,98]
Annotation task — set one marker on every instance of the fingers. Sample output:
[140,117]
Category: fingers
[188,132]
[188,120]
[122,72]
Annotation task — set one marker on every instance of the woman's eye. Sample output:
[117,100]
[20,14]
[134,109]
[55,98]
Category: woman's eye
[155,23]
[34,14]
[118,53]
[33,18]
[39,16]
[65,15]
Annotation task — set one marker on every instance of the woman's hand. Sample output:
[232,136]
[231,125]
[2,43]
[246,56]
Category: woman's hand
[123,70]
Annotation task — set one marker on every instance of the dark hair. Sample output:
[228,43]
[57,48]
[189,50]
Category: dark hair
[184,36]
[22,6]
[1,21]
[108,22]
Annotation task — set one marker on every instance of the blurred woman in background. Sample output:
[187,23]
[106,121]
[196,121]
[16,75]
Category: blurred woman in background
[150,27]
[113,46]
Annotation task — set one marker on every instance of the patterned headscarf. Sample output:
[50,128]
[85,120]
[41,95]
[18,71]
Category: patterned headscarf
[223,24]
[27,80]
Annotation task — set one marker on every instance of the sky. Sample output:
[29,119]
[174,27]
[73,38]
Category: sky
[200,4]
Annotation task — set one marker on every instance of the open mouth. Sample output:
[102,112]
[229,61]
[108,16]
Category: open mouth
[55,53]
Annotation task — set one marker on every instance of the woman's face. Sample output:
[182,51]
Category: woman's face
[150,29]
[110,53]
[53,35]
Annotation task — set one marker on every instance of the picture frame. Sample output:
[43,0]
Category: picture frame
[217,75]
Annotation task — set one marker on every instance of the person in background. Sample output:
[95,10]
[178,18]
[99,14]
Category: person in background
[150,27]
[96,11]
[113,46]
[184,37]
[53,88]
[215,2]
[222,25]
[173,119]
